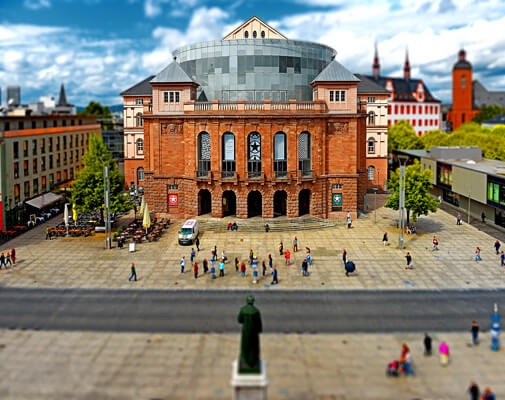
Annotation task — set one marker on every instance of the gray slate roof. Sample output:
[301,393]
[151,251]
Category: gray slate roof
[335,72]
[172,74]
[482,96]
[368,86]
[498,120]
[143,88]
[463,64]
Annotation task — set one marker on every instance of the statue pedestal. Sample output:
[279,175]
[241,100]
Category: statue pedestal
[249,386]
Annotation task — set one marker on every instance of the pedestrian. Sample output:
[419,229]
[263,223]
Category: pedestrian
[497,245]
[483,217]
[350,267]
[221,268]
[212,269]
[458,219]
[197,243]
[237,262]
[443,349]
[385,239]
[288,257]
[308,258]
[2,261]
[270,261]
[281,248]
[488,395]
[183,264]
[344,256]
[133,274]
[193,255]
[205,266]
[427,345]
[502,258]
[407,363]
[195,270]
[474,391]
[251,257]
[214,253]
[435,243]
[264,266]
[48,233]
[13,256]
[409,265]
[305,268]
[275,278]
[477,254]
[475,333]
[7,259]
[267,228]
[242,269]
[295,244]
[223,256]
[349,221]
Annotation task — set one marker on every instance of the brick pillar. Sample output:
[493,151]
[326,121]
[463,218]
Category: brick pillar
[241,202]
[217,203]
[292,202]
[268,202]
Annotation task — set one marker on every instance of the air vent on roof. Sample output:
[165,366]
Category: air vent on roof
[470,162]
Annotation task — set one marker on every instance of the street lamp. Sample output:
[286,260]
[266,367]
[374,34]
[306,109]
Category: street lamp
[495,329]
[375,206]
[469,199]
[401,202]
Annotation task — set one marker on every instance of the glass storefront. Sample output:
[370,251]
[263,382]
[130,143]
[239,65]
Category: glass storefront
[444,174]
[496,193]
[254,69]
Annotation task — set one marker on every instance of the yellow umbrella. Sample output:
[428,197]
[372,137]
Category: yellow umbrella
[142,206]
[74,213]
[146,222]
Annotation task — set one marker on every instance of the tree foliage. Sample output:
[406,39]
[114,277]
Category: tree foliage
[95,108]
[418,200]
[487,112]
[88,189]
[402,136]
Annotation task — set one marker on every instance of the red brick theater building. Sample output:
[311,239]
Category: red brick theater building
[254,125]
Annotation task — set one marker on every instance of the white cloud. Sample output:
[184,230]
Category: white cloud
[152,8]
[178,8]
[37,4]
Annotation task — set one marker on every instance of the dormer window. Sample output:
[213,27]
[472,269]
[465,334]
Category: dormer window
[171,97]
[246,34]
[337,96]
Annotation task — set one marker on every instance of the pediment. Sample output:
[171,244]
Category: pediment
[252,25]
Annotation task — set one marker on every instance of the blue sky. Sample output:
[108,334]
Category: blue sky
[100,47]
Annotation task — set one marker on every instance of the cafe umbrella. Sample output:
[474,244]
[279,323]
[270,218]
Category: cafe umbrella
[146,222]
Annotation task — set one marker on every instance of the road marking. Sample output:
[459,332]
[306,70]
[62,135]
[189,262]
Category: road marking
[135,295]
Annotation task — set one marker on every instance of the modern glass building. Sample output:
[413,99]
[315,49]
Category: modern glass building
[254,69]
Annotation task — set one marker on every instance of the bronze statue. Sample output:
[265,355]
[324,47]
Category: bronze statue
[250,318]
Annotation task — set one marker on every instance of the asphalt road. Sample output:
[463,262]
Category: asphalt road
[194,311]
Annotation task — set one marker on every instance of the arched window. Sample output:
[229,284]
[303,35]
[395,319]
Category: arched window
[140,146]
[304,154]
[246,34]
[140,122]
[371,173]
[203,154]
[371,145]
[140,174]
[255,34]
[228,155]
[263,34]
[371,118]
[254,155]
[280,155]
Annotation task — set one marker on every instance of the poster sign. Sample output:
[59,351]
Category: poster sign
[173,200]
[336,199]
[229,147]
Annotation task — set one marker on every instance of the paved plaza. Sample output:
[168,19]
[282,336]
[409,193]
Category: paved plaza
[83,262]
[76,365]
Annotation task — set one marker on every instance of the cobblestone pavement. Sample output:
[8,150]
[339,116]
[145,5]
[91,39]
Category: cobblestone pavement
[82,262]
[76,365]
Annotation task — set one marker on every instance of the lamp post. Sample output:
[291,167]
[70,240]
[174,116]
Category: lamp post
[469,200]
[495,329]
[107,207]
[375,206]
[401,203]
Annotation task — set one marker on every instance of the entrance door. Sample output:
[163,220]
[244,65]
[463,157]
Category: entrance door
[304,202]
[280,203]
[254,206]
[204,202]
[229,203]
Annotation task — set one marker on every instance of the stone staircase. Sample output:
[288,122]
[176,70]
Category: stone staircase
[257,224]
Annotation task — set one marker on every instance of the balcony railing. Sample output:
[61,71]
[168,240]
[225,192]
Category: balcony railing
[228,168]
[281,168]
[253,169]
[318,106]
[304,167]
[203,168]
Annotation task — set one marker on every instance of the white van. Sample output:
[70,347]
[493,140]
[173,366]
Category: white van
[188,232]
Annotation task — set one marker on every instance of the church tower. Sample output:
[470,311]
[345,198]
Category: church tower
[406,66]
[376,68]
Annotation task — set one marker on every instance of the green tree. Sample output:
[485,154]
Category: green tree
[88,189]
[402,136]
[102,112]
[418,200]
[488,112]
[434,138]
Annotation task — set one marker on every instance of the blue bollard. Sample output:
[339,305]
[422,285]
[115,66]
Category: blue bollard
[495,329]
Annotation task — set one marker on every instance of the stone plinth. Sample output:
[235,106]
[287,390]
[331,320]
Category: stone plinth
[249,386]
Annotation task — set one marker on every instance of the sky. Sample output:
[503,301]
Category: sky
[98,48]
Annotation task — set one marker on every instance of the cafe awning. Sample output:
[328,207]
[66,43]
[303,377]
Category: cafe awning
[44,200]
